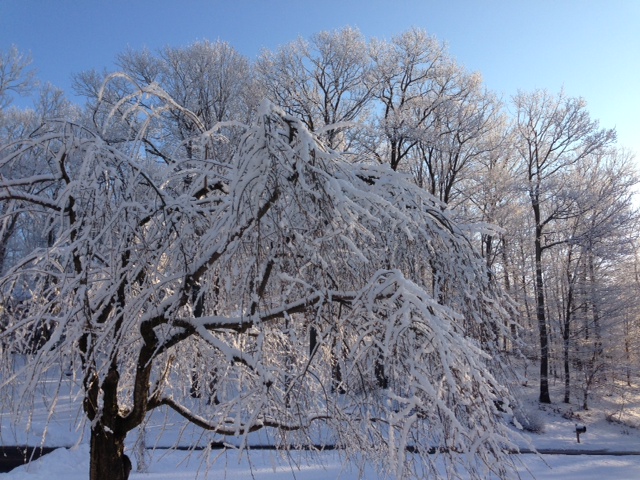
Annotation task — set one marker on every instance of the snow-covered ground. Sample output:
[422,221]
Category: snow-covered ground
[73,464]
[612,426]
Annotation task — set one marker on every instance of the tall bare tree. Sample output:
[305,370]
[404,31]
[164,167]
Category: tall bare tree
[17,123]
[410,76]
[209,80]
[323,81]
[553,134]
[16,75]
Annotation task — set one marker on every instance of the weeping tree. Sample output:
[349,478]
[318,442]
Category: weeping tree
[237,261]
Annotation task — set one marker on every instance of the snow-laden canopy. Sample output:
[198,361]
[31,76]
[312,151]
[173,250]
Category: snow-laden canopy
[283,288]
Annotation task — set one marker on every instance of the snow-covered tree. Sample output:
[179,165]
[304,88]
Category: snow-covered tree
[323,81]
[554,133]
[412,76]
[18,231]
[603,239]
[16,75]
[299,280]
[210,84]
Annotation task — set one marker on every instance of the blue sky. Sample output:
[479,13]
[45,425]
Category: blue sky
[591,48]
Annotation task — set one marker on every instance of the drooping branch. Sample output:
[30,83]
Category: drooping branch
[11,194]
[226,429]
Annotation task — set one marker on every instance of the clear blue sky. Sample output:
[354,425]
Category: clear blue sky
[589,47]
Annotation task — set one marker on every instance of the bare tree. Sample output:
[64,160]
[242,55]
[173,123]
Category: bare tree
[16,76]
[210,80]
[410,76]
[464,130]
[16,124]
[323,81]
[554,133]
[609,225]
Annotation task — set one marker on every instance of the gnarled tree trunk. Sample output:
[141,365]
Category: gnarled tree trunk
[108,461]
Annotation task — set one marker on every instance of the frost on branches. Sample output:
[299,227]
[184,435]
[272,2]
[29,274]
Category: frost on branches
[283,289]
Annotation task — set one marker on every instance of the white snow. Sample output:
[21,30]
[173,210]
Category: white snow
[65,428]
[559,433]
[72,464]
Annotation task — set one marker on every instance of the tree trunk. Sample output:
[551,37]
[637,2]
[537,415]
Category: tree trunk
[566,332]
[566,336]
[585,399]
[627,349]
[6,231]
[108,461]
[595,308]
[540,312]
[542,325]
[507,287]
[523,286]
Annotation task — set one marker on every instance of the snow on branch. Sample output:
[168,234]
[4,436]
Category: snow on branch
[289,289]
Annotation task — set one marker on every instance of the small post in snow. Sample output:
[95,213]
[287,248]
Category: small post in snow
[580,429]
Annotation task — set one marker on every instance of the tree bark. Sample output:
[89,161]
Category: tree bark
[595,307]
[507,287]
[6,232]
[566,331]
[107,458]
[540,311]
[566,338]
